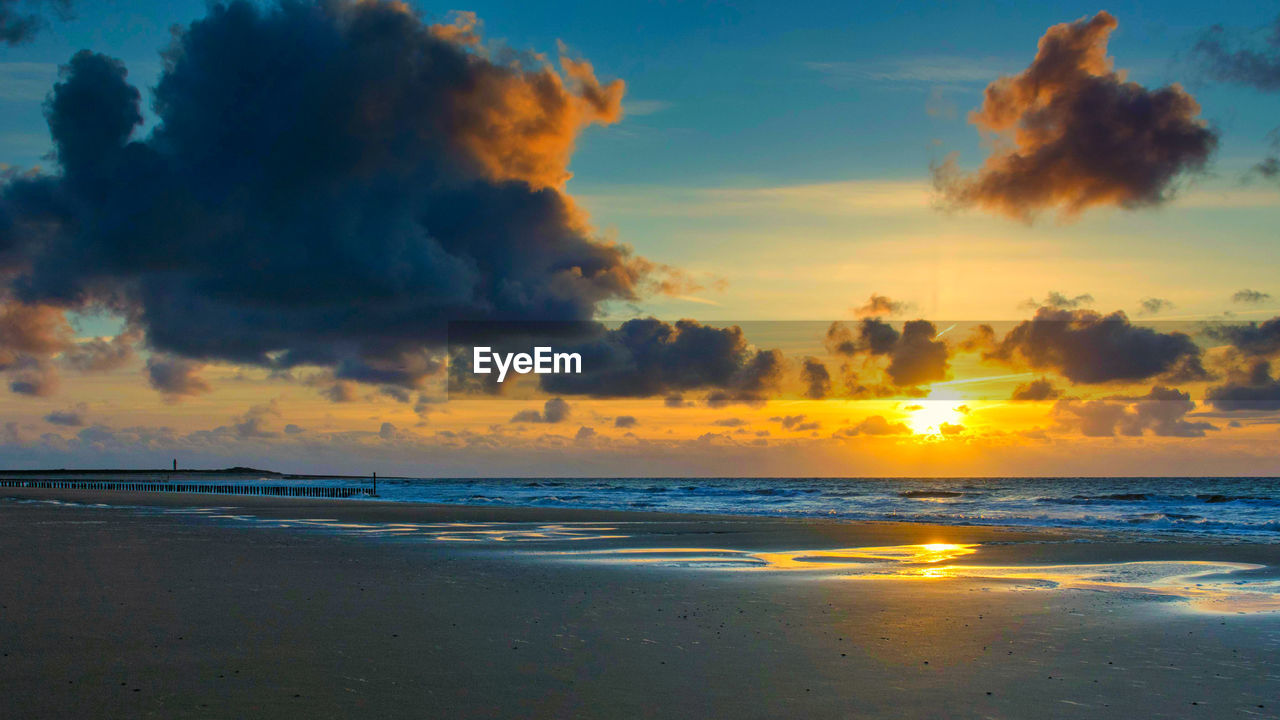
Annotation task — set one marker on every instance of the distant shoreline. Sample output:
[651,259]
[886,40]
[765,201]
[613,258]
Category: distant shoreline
[239,470]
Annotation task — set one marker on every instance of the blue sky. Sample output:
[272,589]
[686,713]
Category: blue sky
[743,93]
[758,96]
[777,154]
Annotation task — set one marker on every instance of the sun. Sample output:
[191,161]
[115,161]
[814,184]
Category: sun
[928,416]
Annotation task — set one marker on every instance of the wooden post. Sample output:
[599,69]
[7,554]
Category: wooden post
[375,484]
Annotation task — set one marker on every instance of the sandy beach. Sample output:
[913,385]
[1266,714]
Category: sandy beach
[207,606]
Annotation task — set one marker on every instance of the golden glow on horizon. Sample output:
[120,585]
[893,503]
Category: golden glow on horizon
[929,416]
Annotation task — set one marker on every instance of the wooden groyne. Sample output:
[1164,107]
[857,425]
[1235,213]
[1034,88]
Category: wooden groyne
[299,491]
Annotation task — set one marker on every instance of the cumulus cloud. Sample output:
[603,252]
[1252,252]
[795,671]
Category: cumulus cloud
[873,336]
[1253,339]
[1086,347]
[1253,389]
[1154,306]
[1073,133]
[915,355]
[1162,412]
[1059,300]
[1038,389]
[258,421]
[1230,58]
[918,358]
[816,378]
[30,336]
[1250,297]
[341,391]
[17,27]
[553,411]
[71,417]
[647,357]
[874,425]
[33,376]
[325,185]
[624,421]
[176,377]
[879,305]
[101,354]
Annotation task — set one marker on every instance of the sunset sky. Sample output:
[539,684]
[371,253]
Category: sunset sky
[253,258]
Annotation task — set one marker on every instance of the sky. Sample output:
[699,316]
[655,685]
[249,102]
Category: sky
[236,235]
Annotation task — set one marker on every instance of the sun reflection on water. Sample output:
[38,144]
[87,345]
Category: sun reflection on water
[1205,586]
[861,558]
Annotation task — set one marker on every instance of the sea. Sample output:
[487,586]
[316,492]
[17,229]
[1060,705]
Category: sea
[1247,508]
[1237,506]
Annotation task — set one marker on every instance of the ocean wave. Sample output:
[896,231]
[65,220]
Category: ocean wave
[1232,507]
[931,494]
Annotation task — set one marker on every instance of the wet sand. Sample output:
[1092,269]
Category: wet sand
[397,610]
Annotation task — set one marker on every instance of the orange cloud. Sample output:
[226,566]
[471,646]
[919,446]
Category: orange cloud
[1072,133]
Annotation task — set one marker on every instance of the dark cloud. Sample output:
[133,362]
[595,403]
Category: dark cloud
[257,422]
[1254,339]
[1078,134]
[624,421]
[341,391]
[388,431]
[34,377]
[1086,347]
[1251,297]
[1161,412]
[176,377]
[101,354]
[878,305]
[17,27]
[398,394]
[730,422]
[915,356]
[674,401]
[325,184]
[1254,389]
[816,378]
[1038,389]
[648,357]
[1058,300]
[1267,168]
[874,336]
[918,358]
[553,411]
[72,417]
[1232,59]
[981,338]
[796,423]
[1154,306]
[874,425]
[584,434]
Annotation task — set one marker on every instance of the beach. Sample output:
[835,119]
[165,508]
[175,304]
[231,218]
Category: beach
[147,605]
